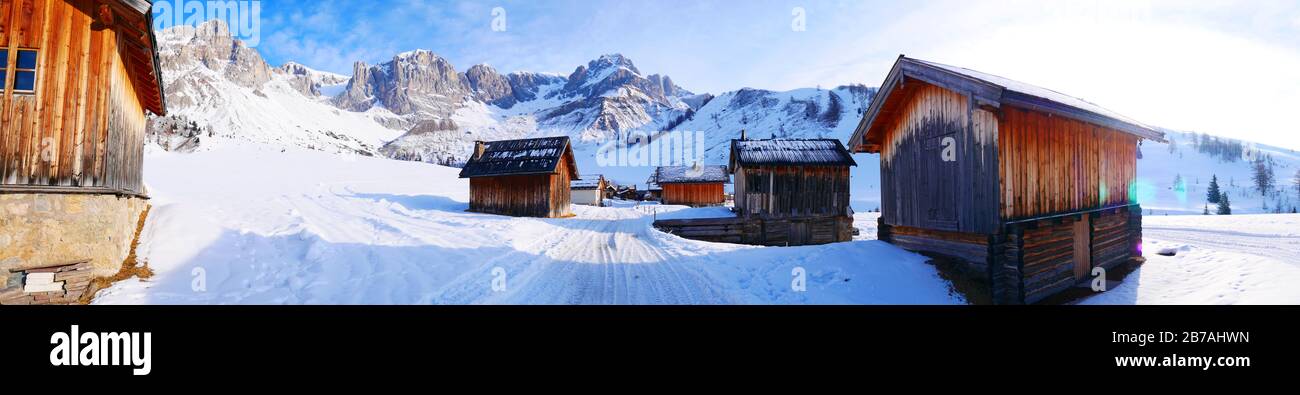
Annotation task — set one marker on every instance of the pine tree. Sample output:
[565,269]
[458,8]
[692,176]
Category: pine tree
[1225,207]
[1262,176]
[1212,194]
[1296,182]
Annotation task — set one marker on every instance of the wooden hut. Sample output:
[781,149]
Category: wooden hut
[524,178]
[1031,188]
[590,190]
[799,188]
[77,79]
[695,186]
[791,178]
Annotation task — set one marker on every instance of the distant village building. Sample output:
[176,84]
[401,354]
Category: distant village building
[1030,188]
[695,186]
[590,190]
[653,190]
[77,79]
[525,178]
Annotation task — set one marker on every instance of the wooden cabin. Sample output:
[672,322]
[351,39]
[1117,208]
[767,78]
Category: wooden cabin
[1030,188]
[77,80]
[590,190]
[800,188]
[695,186]
[79,76]
[791,178]
[523,178]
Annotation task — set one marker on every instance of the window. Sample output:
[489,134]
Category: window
[24,71]
[4,68]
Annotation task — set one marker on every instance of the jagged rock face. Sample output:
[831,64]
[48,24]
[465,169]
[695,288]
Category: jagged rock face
[417,82]
[488,86]
[525,85]
[211,45]
[308,81]
[612,72]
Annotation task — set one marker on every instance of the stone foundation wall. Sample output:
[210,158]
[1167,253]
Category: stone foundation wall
[40,229]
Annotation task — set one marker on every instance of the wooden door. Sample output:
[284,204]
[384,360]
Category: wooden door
[1082,248]
[940,177]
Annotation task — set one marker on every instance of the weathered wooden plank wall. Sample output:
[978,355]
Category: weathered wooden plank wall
[766,231]
[537,195]
[84,125]
[920,187]
[558,194]
[1054,164]
[525,196]
[694,195]
[792,191]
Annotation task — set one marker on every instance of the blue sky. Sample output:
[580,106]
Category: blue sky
[1220,66]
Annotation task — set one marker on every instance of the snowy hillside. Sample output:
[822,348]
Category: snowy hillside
[1194,163]
[229,94]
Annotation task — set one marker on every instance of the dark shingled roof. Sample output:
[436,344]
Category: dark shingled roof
[776,152]
[684,175]
[519,157]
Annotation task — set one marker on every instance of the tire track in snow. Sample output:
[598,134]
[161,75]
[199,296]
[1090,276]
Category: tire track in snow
[609,258]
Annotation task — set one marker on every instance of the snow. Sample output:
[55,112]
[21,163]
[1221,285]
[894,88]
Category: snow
[1239,259]
[254,225]
[259,224]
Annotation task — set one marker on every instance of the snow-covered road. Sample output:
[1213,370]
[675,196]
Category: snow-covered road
[609,257]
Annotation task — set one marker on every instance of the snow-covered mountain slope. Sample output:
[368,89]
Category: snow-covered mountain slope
[1195,158]
[222,91]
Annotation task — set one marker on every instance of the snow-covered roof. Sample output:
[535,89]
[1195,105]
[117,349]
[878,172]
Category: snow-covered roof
[781,152]
[993,90]
[519,157]
[588,181]
[691,174]
[1036,91]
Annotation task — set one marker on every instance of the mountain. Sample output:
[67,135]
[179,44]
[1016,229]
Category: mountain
[221,92]
[419,106]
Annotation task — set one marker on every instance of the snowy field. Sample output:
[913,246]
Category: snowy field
[251,224]
[254,225]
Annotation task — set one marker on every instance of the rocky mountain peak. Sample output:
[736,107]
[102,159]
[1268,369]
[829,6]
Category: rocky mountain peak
[488,85]
[211,45]
[414,82]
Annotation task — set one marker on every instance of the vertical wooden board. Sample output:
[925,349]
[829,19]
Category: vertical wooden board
[6,22]
[73,91]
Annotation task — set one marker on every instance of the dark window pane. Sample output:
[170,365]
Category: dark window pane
[4,58]
[3,74]
[25,81]
[26,59]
